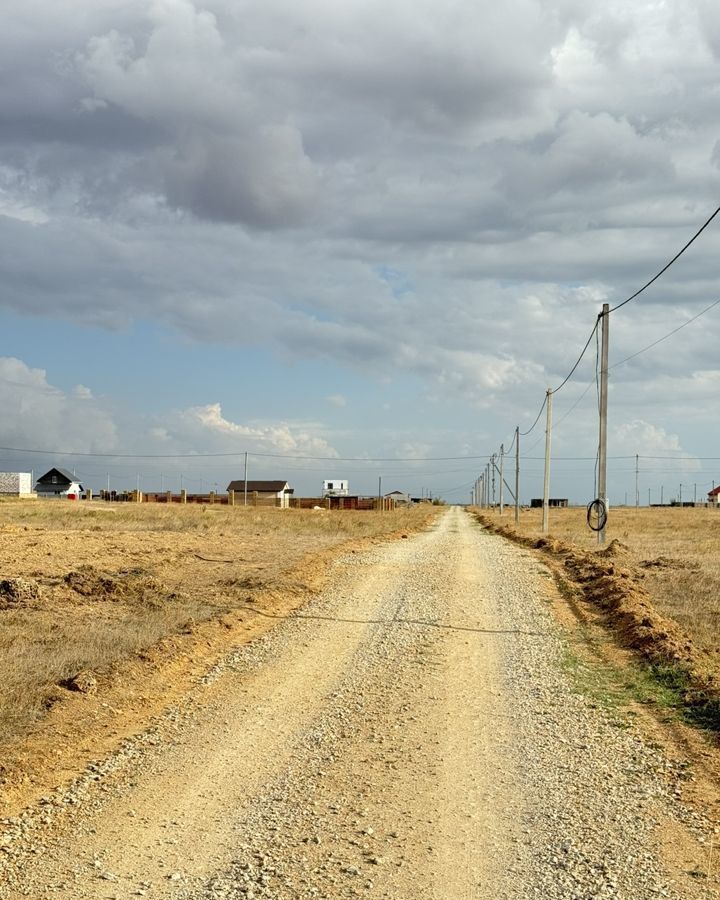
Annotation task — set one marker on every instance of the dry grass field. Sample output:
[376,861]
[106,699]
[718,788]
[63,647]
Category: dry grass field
[85,586]
[675,551]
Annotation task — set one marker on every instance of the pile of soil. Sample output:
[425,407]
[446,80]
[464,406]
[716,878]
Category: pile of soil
[132,585]
[616,589]
[17,592]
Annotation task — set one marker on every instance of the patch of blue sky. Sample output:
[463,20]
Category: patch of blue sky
[400,283]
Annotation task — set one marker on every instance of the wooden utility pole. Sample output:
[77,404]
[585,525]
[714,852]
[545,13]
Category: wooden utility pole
[502,482]
[602,443]
[517,474]
[246,470]
[546,480]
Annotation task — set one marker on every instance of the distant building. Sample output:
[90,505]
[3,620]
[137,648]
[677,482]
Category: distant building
[714,496]
[338,487]
[15,484]
[399,497]
[279,491]
[59,483]
[553,502]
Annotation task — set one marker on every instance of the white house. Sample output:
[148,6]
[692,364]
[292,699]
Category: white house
[15,484]
[59,483]
[338,487]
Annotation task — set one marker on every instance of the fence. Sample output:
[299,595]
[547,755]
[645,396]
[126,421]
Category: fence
[253,499]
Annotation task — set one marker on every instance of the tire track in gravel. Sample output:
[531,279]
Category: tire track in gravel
[367,752]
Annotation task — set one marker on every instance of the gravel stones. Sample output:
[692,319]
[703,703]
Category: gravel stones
[449,748]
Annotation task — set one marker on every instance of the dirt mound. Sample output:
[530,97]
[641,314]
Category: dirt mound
[667,562]
[629,611]
[614,550]
[132,585]
[16,592]
[83,683]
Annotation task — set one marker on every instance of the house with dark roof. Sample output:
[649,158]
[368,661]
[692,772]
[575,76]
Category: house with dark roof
[59,483]
[713,496]
[262,491]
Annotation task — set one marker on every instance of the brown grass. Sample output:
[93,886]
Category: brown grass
[674,552]
[85,586]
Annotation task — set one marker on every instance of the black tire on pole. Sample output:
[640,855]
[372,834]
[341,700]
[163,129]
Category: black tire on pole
[597,514]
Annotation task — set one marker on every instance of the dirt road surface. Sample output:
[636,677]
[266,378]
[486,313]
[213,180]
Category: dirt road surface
[412,734]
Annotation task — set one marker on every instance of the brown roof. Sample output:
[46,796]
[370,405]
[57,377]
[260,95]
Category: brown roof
[262,487]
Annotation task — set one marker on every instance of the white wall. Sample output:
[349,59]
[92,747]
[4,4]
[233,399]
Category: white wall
[16,483]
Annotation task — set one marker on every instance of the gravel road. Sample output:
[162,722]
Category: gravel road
[413,734]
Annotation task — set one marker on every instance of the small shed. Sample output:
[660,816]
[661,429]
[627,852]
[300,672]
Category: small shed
[15,484]
[553,502]
[59,484]
[265,491]
[399,497]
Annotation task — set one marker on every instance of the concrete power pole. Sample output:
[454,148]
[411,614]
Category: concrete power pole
[492,469]
[637,485]
[602,443]
[502,484]
[546,480]
[245,485]
[517,474]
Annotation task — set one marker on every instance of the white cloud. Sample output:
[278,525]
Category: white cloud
[649,441]
[336,400]
[38,415]
[205,426]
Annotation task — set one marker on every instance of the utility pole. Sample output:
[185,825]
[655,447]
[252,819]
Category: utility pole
[695,493]
[502,483]
[138,483]
[517,474]
[662,493]
[380,493]
[681,494]
[602,443]
[492,463]
[649,503]
[637,485]
[546,480]
[245,484]
[108,481]
[162,483]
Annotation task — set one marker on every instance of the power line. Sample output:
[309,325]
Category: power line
[240,453]
[537,419]
[579,359]
[666,336]
[667,265]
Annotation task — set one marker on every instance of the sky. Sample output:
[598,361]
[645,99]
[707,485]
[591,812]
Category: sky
[358,240]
